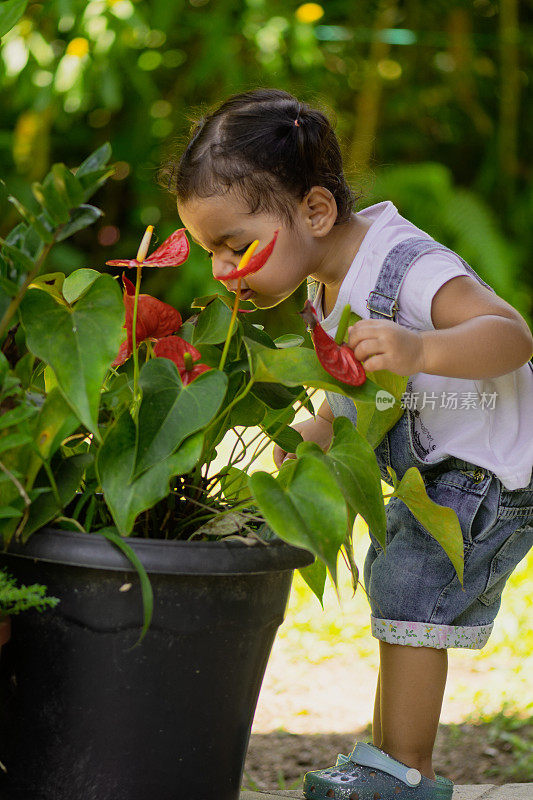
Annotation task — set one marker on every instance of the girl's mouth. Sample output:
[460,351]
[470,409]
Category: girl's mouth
[247,294]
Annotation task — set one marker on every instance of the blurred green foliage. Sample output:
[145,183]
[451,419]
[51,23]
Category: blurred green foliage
[430,101]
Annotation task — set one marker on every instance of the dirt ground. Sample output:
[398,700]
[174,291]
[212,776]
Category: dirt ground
[280,759]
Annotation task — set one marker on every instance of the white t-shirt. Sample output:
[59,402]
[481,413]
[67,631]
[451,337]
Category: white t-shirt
[488,422]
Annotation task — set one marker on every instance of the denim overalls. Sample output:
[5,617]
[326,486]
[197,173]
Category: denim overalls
[415,596]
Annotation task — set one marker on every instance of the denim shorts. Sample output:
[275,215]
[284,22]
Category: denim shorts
[415,595]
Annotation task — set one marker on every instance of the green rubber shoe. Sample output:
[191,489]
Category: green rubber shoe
[368,773]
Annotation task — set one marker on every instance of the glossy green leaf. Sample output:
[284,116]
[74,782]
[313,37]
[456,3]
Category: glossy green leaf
[67,185]
[10,13]
[52,283]
[40,226]
[439,521]
[78,342]
[16,415]
[78,282]
[80,218]
[373,422]
[286,437]
[275,396]
[234,483]
[115,460]
[10,440]
[51,200]
[10,289]
[318,526]
[248,411]
[213,323]
[315,577]
[146,587]
[94,180]
[20,260]
[355,467]
[300,366]
[289,340]
[4,368]
[55,422]
[8,512]
[68,478]
[95,161]
[170,411]
[205,300]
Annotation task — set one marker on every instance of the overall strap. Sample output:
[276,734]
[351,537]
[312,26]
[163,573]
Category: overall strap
[383,300]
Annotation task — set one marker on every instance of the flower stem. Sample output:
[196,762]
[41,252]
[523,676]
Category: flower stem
[230,329]
[141,255]
[136,397]
[343,324]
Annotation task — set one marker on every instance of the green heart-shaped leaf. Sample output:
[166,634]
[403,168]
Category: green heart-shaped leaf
[78,342]
[114,466]
[318,526]
[440,521]
[355,467]
[170,411]
[213,323]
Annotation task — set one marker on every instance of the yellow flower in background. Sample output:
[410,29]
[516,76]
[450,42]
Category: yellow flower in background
[309,12]
[78,47]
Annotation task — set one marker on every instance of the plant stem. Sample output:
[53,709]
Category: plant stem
[302,394]
[15,302]
[230,329]
[257,451]
[136,398]
[343,324]
[235,400]
[20,488]
[141,255]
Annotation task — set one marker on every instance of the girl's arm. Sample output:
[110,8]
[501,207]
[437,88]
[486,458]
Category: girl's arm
[478,334]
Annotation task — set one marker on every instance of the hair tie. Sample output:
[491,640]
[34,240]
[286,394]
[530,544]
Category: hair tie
[296,123]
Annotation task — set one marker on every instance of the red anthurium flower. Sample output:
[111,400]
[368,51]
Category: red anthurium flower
[173,252]
[154,320]
[256,262]
[183,354]
[338,360]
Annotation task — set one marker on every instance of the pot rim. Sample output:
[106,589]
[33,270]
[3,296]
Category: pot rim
[160,556]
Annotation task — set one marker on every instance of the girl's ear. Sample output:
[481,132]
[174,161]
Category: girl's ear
[320,210]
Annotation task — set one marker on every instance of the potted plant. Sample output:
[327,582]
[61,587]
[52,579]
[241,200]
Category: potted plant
[106,446]
[15,599]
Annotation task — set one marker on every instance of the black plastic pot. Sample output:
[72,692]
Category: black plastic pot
[84,717]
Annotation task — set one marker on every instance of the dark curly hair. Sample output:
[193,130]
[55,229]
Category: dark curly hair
[251,145]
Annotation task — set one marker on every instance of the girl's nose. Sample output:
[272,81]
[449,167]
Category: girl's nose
[223,266]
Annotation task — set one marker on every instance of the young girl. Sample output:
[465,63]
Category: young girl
[263,161]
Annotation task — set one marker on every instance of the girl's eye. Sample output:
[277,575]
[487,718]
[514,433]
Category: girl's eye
[242,251]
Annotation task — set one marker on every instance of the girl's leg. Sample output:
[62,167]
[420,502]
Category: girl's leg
[411,689]
[376,722]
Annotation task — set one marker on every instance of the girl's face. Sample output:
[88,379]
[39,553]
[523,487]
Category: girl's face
[225,228]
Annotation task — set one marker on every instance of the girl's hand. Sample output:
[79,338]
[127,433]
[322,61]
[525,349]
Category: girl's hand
[317,430]
[383,344]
